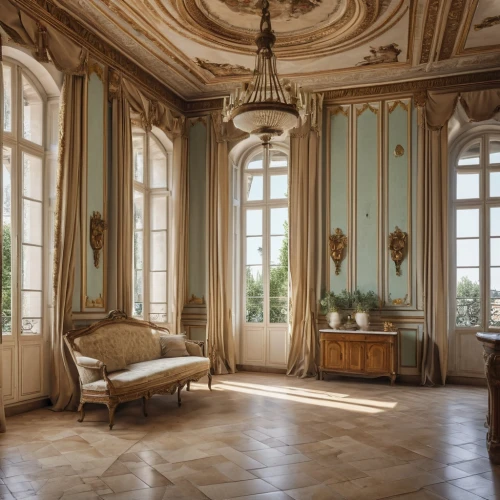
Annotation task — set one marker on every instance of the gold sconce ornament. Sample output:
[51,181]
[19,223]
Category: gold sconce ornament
[97,228]
[397,245]
[338,242]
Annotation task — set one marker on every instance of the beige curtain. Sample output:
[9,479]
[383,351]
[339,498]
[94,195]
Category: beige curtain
[72,158]
[305,244]
[2,411]
[180,201]
[219,321]
[432,217]
[121,206]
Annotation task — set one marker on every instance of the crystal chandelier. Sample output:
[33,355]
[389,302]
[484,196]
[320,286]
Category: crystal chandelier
[265,107]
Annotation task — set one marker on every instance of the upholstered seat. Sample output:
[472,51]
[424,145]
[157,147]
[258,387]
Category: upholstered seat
[154,372]
[120,359]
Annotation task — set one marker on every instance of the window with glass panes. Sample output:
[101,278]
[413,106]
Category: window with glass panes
[151,216]
[265,237]
[23,204]
[477,234]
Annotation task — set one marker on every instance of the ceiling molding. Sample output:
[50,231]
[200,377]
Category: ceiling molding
[430,24]
[451,83]
[46,11]
[453,22]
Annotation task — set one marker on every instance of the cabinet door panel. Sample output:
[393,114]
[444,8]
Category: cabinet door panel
[334,355]
[377,357]
[356,356]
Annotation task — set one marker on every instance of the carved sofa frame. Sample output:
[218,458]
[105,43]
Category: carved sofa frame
[111,398]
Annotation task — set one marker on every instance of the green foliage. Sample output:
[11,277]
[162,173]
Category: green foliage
[278,289]
[365,301]
[468,302]
[6,279]
[332,302]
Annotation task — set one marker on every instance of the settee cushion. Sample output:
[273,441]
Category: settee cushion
[155,372]
[173,346]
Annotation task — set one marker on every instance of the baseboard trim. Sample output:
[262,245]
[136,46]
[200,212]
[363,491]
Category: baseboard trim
[261,369]
[25,406]
[474,381]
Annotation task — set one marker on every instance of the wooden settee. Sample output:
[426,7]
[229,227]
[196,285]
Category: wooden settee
[120,359]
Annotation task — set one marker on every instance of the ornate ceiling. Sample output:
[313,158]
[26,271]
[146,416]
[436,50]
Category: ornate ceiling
[203,48]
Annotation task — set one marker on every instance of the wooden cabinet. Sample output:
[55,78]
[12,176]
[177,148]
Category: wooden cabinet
[368,354]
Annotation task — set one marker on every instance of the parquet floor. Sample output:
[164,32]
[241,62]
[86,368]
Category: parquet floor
[262,437]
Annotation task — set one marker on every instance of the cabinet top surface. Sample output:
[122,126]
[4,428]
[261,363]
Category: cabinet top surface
[361,332]
[489,337]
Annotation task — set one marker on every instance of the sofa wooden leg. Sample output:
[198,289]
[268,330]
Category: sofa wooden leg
[112,408]
[188,386]
[179,395]
[209,381]
[144,406]
[81,409]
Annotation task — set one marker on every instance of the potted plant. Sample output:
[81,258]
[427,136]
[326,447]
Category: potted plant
[364,302]
[332,304]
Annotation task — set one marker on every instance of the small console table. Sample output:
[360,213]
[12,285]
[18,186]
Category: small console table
[491,346]
[362,353]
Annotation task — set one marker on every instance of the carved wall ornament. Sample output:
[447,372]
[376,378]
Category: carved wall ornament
[389,327]
[400,301]
[94,303]
[338,243]
[395,104]
[96,68]
[194,300]
[41,51]
[221,69]
[397,245]
[487,22]
[383,54]
[362,109]
[97,228]
[399,151]
[340,110]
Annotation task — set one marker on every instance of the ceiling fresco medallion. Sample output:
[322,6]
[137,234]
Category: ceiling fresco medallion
[489,22]
[278,8]
[385,54]
[224,69]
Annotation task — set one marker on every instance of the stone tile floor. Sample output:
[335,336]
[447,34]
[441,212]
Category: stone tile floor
[263,437]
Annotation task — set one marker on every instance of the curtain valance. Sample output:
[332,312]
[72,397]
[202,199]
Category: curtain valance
[47,43]
[479,105]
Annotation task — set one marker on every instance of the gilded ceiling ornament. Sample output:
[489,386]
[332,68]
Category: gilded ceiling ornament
[429,29]
[220,69]
[381,55]
[338,242]
[399,151]
[487,22]
[450,32]
[278,8]
[397,245]
[41,51]
[97,228]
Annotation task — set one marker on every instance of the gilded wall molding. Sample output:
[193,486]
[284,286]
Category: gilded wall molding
[340,110]
[429,30]
[47,12]
[487,79]
[395,104]
[450,33]
[362,109]
[96,68]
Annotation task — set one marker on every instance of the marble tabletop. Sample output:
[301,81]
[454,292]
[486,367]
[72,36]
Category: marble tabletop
[371,332]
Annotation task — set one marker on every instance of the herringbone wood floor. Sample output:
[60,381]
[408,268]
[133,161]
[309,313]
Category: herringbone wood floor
[260,436]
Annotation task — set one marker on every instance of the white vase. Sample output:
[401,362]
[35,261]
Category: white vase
[334,320]
[363,320]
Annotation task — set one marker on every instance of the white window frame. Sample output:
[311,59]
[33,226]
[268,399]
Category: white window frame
[266,204]
[148,193]
[19,145]
[483,203]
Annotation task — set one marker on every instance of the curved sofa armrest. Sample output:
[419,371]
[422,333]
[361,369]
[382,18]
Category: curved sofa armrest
[195,348]
[91,363]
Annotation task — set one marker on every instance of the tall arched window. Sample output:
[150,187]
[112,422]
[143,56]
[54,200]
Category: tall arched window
[151,223]
[476,234]
[264,203]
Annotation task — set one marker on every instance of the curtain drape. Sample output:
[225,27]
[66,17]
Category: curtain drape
[219,321]
[72,158]
[180,202]
[432,216]
[305,243]
[2,411]
[121,206]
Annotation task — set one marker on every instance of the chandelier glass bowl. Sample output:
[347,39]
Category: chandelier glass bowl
[265,107]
